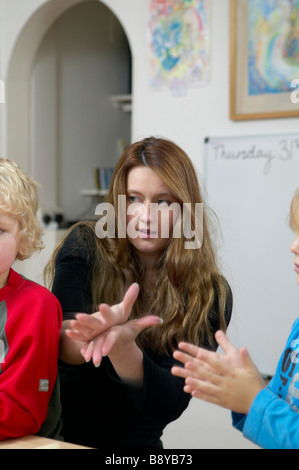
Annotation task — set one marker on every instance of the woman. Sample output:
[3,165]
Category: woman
[180,295]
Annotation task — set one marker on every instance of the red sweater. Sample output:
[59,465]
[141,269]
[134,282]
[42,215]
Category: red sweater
[30,323]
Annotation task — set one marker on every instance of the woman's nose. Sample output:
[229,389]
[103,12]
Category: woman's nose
[145,212]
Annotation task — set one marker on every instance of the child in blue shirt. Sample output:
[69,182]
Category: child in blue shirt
[267,415]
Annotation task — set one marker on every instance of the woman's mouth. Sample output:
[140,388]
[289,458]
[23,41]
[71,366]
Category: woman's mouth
[297,268]
[147,233]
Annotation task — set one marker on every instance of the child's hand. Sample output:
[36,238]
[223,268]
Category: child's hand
[230,380]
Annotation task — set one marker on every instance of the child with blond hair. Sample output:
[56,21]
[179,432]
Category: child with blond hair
[30,318]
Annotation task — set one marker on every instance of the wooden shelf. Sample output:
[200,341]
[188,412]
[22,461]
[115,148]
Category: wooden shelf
[123,102]
[93,192]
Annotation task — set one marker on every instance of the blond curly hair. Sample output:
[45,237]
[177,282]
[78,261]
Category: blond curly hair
[19,198]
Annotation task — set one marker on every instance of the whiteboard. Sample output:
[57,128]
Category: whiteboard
[249,182]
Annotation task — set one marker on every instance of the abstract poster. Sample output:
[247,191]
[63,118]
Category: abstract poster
[273,45]
[179,40]
[264,59]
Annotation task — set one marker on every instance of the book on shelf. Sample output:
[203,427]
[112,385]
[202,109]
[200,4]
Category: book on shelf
[102,177]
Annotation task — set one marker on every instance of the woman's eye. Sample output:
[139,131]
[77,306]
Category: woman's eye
[163,202]
[133,199]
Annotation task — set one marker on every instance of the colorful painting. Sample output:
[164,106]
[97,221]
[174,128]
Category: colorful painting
[273,47]
[179,36]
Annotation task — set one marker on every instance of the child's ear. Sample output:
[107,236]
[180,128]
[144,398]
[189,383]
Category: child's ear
[23,248]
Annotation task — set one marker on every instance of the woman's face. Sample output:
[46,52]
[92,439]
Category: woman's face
[149,220]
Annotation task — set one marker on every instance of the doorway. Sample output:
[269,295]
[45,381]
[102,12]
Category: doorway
[82,62]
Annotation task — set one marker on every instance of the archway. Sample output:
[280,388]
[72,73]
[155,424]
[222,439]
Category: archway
[21,131]
[83,61]
[18,78]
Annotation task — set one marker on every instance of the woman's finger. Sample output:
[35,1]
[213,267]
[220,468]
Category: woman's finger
[129,299]
[87,351]
[80,328]
[145,322]
[89,321]
[98,351]
[132,329]
[76,335]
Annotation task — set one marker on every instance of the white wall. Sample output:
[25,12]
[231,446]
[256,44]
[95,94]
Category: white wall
[204,426]
[186,119]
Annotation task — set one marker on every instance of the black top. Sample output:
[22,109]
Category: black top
[98,409]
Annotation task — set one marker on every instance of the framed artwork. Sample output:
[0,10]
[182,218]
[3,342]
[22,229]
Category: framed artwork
[179,44]
[264,59]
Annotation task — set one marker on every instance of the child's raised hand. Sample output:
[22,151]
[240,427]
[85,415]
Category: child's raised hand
[230,380]
[192,356]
